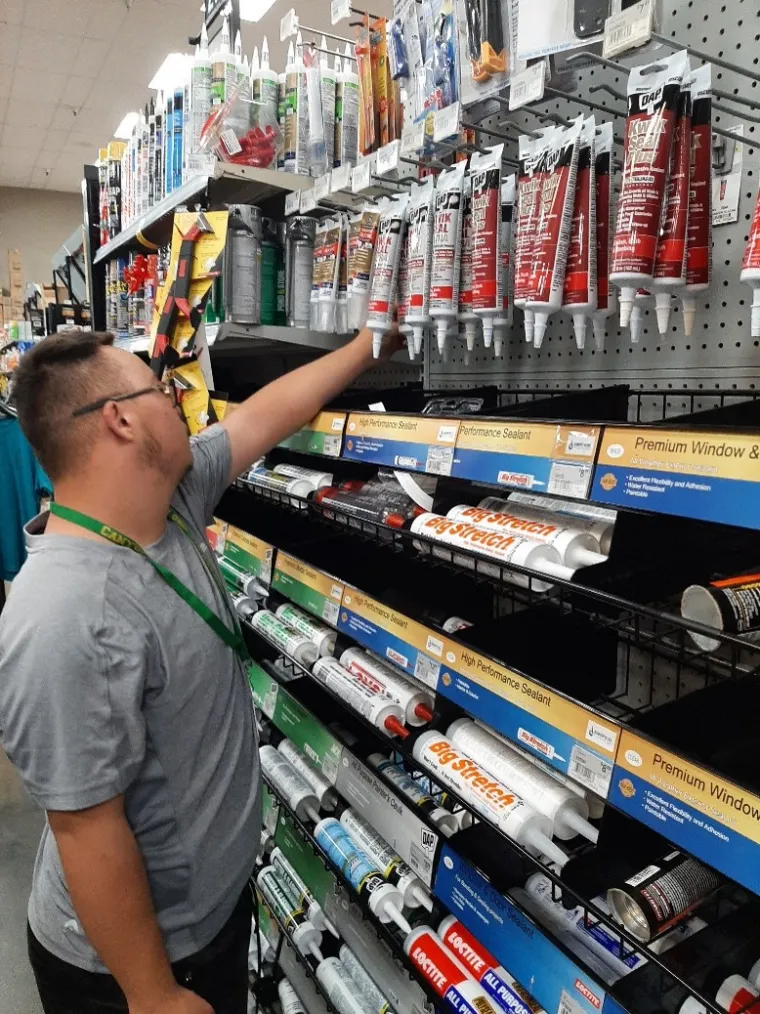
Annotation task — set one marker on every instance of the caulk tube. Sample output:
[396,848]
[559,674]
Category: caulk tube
[445,974]
[305,937]
[504,320]
[318,271]
[289,783]
[496,803]
[402,303]
[483,966]
[382,295]
[384,900]
[528,204]
[326,795]
[244,606]
[339,987]
[485,173]
[465,313]
[416,701]
[282,636]
[323,637]
[699,229]
[317,479]
[295,886]
[605,298]
[447,250]
[378,709]
[567,811]
[327,85]
[328,288]
[731,606]
[390,863]
[347,112]
[579,297]
[547,279]
[446,822]
[643,300]
[360,256]
[289,1000]
[575,547]
[281,483]
[372,999]
[502,549]
[419,259]
[599,521]
[670,259]
[653,96]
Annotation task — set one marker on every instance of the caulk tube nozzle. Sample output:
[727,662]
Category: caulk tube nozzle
[578,823]
[579,327]
[528,323]
[626,301]
[662,302]
[498,342]
[689,313]
[539,328]
[556,569]
[756,313]
[488,332]
[543,844]
[470,330]
[600,332]
[377,343]
[398,918]
[393,725]
[588,558]
[440,334]
[315,951]
[423,899]
[418,341]
[312,814]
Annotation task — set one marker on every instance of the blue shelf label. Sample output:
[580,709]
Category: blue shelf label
[413,443]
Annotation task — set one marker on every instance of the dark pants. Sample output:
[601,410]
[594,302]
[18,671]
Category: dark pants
[218,973]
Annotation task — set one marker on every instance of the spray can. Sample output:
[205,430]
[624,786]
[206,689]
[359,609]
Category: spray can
[372,999]
[283,637]
[289,784]
[242,265]
[324,792]
[300,893]
[299,257]
[305,937]
[268,273]
[446,822]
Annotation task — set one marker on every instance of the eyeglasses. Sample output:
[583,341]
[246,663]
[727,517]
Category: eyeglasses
[167,390]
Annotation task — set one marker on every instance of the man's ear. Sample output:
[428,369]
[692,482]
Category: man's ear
[119,421]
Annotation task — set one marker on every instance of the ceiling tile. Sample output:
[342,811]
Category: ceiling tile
[14,178]
[9,43]
[59,52]
[64,118]
[55,140]
[6,79]
[31,114]
[40,178]
[76,91]
[12,12]
[69,18]
[91,56]
[106,19]
[32,85]
[21,138]
[3,107]
[17,158]
[47,159]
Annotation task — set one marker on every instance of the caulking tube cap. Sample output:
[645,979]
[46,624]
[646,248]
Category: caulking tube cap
[689,313]
[307,938]
[579,327]
[528,322]
[423,711]
[587,557]
[726,995]
[488,331]
[578,823]
[600,332]
[540,320]
[699,604]
[471,333]
[377,343]
[441,331]
[626,300]
[386,904]
[662,302]
[756,313]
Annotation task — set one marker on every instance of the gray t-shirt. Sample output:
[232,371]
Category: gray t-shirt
[110,683]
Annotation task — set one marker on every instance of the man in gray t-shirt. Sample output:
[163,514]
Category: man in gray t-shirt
[127,715]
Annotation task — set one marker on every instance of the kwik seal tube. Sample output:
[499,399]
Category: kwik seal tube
[699,229]
[326,795]
[445,974]
[394,773]
[419,259]
[606,303]
[447,251]
[485,173]
[579,297]
[653,95]
[416,701]
[528,204]
[465,312]
[323,637]
[382,297]
[504,320]
[299,795]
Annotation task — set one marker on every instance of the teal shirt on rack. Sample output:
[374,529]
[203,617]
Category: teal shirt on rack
[22,481]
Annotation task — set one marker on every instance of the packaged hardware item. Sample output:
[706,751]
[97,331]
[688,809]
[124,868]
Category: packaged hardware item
[579,298]
[699,228]
[446,251]
[485,174]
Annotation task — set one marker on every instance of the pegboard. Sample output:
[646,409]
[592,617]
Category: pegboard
[720,354]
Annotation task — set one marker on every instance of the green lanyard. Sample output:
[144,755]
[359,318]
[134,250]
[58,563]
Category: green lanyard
[232,638]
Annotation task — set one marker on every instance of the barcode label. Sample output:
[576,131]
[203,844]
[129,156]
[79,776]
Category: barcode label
[567,1005]
[591,770]
[332,447]
[628,29]
[427,670]
[528,85]
[419,862]
[439,460]
[330,768]
[330,611]
[293,202]
[229,140]
[567,479]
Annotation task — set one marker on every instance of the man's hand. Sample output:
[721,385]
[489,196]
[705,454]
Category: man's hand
[179,1001]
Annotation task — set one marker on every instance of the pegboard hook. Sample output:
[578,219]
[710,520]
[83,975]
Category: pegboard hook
[718,61]
[569,97]
[595,58]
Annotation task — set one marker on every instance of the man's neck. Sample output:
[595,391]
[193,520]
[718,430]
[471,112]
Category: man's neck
[137,510]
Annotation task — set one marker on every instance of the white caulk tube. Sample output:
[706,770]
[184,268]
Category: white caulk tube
[378,709]
[567,811]
[383,899]
[326,795]
[381,678]
[445,821]
[311,475]
[465,313]
[306,938]
[245,607]
[576,548]
[321,636]
[382,296]
[295,886]
[485,174]
[282,636]
[281,483]
[504,549]
[289,1001]
[389,862]
[334,979]
[298,795]
[445,974]
[447,250]
[372,999]
[492,800]
[244,582]
[419,259]
[503,321]
[599,521]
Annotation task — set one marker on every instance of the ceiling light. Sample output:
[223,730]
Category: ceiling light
[124,131]
[254,10]
[171,71]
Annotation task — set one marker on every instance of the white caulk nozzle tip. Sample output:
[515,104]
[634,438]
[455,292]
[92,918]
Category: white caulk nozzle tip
[440,335]
[689,315]
[487,332]
[315,952]
[637,324]
[398,918]
[470,335]
[600,333]
[626,300]
[312,814]
[528,324]
[377,344]
[588,558]
[498,343]
[578,823]
[422,899]
[663,312]
[332,928]
[756,320]
[539,329]
[579,329]
[547,848]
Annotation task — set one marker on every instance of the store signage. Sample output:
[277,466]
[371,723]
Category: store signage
[323,435]
[264,689]
[312,589]
[249,554]
[415,443]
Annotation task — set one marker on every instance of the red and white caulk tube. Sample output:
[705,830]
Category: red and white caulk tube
[378,709]
[503,549]
[699,229]
[576,548]
[530,178]
[547,280]
[278,633]
[503,321]
[419,262]
[384,285]
[296,888]
[485,174]
[643,300]
[579,297]
[381,678]
[567,811]
[446,976]
[306,938]
[297,793]
[489,797]
[321,636]
[670,260]
[466,314]
[326,795]
[653,95]
[447,251]
[402,302]
[605,294]
[388,861]
[484,967]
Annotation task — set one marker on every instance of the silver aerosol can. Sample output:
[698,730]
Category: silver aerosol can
[299,264]
[242,265]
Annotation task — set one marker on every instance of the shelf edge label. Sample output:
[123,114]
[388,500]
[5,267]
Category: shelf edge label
[306,586]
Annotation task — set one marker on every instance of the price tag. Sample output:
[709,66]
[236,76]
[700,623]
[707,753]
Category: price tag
[413,138]
[339,9]
[340,179]
[322,186]
[629,29]
[360,177]
[308,201]
[387,158]
[288,25]
[293,202]
[528,85]
[446,122]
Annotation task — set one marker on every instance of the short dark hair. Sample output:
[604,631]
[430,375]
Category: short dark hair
[57,376]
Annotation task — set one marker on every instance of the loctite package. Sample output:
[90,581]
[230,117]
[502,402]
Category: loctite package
[654,92]
[579,297]
[699,228]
